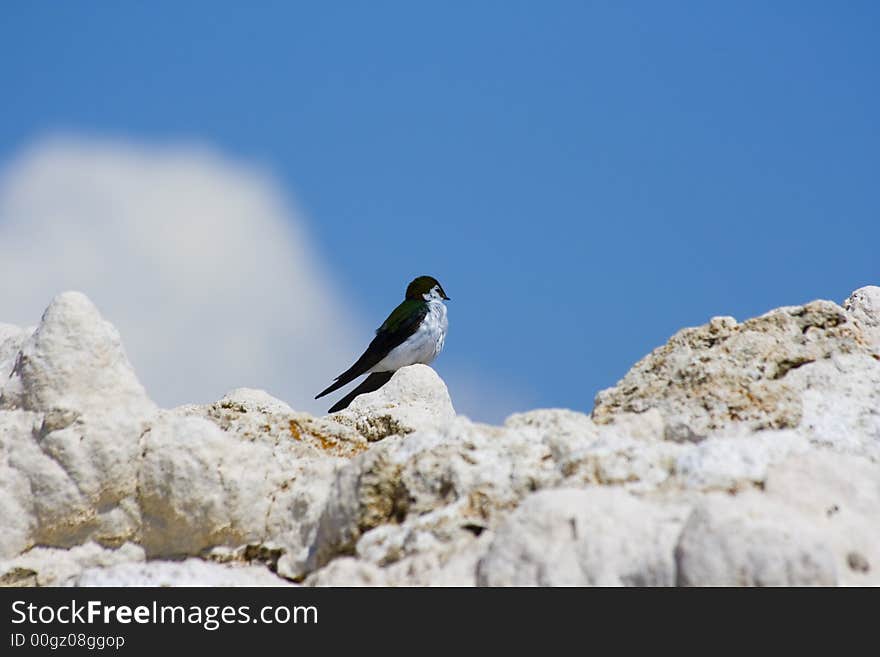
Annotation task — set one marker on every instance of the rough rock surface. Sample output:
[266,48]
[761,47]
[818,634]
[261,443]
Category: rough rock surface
[736,454]
[814,367]
[599,536]
[69,437]
[748,541]
[418,400]
[59,567]
[863,306]
[191,572]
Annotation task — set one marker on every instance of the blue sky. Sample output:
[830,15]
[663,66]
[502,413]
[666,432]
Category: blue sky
[585,178]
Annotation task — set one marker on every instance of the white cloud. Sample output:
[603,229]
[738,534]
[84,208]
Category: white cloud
[199,261]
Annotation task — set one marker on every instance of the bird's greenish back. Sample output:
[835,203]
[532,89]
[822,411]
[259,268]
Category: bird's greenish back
[402,315]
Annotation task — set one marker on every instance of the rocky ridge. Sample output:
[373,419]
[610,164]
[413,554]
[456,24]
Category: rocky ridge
[738,453]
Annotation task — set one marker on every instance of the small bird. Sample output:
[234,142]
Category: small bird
[413,333]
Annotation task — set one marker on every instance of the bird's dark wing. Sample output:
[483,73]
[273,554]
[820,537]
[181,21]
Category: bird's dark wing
[373,382]
[401,324]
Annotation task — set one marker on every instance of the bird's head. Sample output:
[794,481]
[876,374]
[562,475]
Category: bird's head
[426,288]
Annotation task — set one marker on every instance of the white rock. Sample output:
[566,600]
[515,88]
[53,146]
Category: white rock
[256,400]
[414,398]
[200,487]
[555,423]
[864,306]
[295,510]
[190,572]
[840,399]
[363,495]
[255,416]
[780,410]
[75,362]
[590,537]
[11,339]
[737,460]
[480,469]
[346,571]
[430,489]
[57,567]
[21,462]
[452,563]
[810,367]
[78,448]
[245,470]
[420,533]
[840,496]
[748,540]
[629,452]
[433,549]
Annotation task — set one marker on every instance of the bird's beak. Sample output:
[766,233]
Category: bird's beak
[445,297]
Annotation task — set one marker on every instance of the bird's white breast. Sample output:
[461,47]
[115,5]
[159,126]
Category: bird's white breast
[422,346]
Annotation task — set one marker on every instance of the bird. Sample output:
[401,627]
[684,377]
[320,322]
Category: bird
[413,333]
